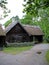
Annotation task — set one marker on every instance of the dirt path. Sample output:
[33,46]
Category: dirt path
[26,58]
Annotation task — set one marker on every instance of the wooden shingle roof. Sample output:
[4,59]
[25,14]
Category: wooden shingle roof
[33,30]
[10,26]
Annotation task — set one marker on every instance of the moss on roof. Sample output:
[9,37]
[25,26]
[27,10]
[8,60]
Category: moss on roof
[10,21]
[7,23]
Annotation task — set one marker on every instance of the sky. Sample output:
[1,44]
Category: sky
[16,9]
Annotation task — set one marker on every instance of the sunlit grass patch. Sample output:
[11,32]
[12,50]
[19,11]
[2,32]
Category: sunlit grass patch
[16,50]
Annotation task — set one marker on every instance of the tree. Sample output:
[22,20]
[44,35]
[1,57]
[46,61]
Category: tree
[2,4]
[32,6]
[27,19]
[39,8]
[4,8]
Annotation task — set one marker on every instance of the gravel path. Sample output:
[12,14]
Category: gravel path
[29,57]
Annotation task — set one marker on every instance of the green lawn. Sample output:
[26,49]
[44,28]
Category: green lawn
[16,50]
[47,55]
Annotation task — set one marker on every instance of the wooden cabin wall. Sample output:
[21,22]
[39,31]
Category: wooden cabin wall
[2,41]
[31,38]
[17,34]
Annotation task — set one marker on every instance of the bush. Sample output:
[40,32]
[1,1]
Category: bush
[20,44]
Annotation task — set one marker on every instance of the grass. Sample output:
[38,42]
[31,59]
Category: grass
[16,50]
[47,55]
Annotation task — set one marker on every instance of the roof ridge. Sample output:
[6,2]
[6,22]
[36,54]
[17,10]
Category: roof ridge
[32,26]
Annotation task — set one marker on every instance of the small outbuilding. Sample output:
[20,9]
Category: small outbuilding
[34,32]
[2,36]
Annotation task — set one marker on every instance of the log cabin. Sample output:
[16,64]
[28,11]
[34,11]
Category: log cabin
[16,32]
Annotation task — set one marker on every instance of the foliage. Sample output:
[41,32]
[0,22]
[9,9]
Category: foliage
[42,22]
[20,44]
[32,6]
[3,4]
[4,8]
[8,22]
[39,9]
[16,18]
[27,19]
[47,56]
[16,50]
